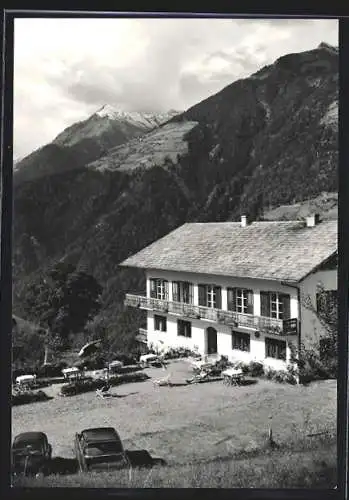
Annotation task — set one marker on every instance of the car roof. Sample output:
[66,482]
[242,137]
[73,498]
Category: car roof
[29,437]
[100,434]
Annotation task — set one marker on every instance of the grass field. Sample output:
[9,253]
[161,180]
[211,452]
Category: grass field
[197,428]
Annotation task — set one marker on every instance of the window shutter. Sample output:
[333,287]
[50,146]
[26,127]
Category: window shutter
[153,288]
[166,289]
[231,299]
[191,293]
[287,306]
[175,294]
[265,304]
[202,295]
[185,297]
[282,350]
[218,293]
[249,302]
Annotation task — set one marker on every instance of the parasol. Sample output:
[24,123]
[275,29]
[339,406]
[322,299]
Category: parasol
[89,348]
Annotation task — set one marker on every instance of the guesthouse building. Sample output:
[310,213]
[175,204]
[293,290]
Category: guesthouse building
[248,291]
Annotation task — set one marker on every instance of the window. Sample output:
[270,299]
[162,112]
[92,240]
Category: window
[160,323]
[210,296]
[240,341]
[275,305]
[326,301]
[275,349]
[182,291]
[240,300]
[159,289]
[183,328]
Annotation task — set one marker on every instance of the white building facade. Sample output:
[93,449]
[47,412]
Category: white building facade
[243,318]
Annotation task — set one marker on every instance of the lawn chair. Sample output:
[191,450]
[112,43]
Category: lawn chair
[162,381]
[104,392]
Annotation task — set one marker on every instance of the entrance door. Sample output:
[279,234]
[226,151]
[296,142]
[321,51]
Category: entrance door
[211,340]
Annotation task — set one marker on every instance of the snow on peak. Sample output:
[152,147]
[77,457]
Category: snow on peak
[146,120]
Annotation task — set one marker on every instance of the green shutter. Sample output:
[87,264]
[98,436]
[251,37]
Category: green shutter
[265,304]
[231,299]
[218,293]
[202,295]
[286,301]
[249,302]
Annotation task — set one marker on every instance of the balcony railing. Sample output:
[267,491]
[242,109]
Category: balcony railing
[229,318]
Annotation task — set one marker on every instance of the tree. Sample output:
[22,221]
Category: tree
[321,359]
[63,301]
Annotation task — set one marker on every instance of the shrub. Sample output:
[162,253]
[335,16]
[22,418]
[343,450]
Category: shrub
[280,376]
[256,369]
[311,367]
[243,366]
[25,397]
[269,372]
[124,378]
[179,352]
[129,369]
[126,359]
[81,386]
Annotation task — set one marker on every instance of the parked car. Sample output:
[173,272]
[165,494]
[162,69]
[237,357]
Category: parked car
[31,453]
[100,447]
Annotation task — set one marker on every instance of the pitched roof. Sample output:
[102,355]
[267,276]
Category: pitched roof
[277,250]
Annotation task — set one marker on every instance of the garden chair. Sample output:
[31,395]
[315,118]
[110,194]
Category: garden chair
[104,392]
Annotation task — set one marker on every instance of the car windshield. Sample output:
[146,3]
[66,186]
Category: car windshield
[30,445]
[97,449]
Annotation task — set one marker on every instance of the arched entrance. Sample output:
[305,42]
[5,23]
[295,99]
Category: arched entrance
[211,340]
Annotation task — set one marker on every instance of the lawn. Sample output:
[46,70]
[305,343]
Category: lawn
[192,425]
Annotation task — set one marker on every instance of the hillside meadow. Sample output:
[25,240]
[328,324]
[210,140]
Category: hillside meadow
[208,435]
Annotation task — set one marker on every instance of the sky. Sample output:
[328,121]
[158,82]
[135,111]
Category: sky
[66,69]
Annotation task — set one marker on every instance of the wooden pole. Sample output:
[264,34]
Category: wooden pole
[270,435]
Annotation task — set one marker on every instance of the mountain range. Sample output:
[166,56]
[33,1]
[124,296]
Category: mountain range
[87,140]
[265,146]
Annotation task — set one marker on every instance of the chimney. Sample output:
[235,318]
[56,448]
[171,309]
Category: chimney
[244,221]
[312,220]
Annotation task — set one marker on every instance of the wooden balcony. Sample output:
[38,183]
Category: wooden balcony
[229,318]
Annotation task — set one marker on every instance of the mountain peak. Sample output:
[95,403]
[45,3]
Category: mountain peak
[143,119]
[331,48]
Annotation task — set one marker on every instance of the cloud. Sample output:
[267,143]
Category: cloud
[66,68]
